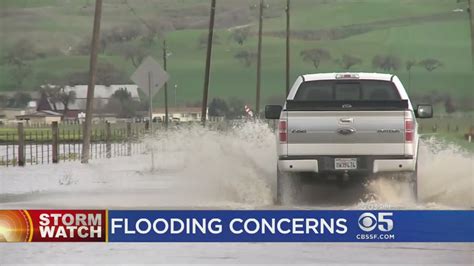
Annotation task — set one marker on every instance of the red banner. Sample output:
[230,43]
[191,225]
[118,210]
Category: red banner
[53,226]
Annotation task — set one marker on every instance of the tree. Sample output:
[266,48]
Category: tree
[66,98]
[431,64]
[240,35]
[315,56]
[156,29]
[124,33]
[409,64]
[386,62]
[247,58]
[122,103]
[131,52]
[348,61]
[57,94]
[218,107]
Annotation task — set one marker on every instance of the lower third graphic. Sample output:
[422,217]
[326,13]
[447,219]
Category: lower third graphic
[15,226]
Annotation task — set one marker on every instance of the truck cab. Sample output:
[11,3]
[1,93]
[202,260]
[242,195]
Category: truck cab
[346,126]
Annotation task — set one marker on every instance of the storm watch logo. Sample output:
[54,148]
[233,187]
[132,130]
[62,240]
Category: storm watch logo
[15,226]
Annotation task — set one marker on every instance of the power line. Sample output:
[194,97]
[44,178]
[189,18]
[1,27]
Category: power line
[287,70]
[259,58]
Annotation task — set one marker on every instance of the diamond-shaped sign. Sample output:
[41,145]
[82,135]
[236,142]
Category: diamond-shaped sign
[150,73]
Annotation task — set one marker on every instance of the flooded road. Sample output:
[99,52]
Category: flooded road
[201,169]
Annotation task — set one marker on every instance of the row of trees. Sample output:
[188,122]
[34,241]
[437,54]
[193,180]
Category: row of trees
[317,56]
[384,62]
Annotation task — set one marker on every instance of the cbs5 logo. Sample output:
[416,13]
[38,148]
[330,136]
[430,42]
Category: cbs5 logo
[368,221]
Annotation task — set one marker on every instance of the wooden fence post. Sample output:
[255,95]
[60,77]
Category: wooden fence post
[21,145]
[129,139]
[108,136]
[55,142]
[147,125]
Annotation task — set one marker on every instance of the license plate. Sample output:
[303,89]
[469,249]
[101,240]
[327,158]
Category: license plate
[345,163]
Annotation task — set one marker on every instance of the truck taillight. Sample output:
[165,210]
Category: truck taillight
[283,131]
[409,129]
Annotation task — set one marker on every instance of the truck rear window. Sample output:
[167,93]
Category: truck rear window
[347,90]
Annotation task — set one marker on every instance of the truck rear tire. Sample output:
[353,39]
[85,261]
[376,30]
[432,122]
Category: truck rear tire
[289,188]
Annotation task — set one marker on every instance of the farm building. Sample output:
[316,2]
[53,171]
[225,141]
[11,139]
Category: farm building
[40,118]
[179,114]
[102,95]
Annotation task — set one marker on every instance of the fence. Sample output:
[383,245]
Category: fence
[43,145]
[25,145]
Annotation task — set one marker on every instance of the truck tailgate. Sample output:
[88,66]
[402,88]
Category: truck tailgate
[346,133]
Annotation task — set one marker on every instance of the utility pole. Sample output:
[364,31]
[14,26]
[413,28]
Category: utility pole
[208,64]
[165,55]
[92,75]
[150,122]
[150,103]
[471,22]
[259,58]
[287,47]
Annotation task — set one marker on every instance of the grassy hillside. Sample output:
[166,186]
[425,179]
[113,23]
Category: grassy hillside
[388,28]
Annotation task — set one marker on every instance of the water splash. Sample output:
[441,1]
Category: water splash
[445,179]
[233,168]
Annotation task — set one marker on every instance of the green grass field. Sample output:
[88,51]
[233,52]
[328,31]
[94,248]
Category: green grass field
[64,23]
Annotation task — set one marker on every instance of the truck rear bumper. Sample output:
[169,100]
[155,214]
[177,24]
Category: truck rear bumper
[367,164]
[394,166]
[298,166]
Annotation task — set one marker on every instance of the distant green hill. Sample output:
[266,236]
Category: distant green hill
[406,29]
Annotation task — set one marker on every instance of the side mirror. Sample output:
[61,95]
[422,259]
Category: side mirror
[273,111]
[424,111]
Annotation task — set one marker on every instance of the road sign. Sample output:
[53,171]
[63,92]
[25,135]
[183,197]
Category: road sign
[150,76]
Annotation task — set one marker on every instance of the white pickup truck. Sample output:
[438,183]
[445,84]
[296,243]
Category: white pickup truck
[345,127]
